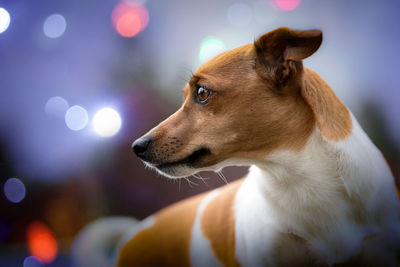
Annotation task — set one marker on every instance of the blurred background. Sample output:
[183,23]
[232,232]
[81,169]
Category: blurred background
[80,80]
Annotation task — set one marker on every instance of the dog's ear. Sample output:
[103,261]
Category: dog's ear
[279,53]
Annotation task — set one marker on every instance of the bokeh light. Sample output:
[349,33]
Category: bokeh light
[56,106]
[106,122]
[210,47]
[240,14]
[41,242]
[135,2]
[14,190]
[4,20]
[286,5]
[130,18]
[263,13]
[54,26]
[32,261]
[76,118]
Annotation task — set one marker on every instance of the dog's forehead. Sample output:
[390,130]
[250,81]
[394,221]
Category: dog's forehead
[238,58]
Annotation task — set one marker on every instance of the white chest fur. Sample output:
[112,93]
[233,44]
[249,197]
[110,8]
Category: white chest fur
[330,194]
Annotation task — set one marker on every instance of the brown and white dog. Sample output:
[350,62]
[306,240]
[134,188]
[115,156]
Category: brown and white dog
[318,193]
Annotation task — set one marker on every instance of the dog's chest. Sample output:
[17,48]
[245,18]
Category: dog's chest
[266,235]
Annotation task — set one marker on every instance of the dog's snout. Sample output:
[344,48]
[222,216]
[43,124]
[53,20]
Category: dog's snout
[141,146]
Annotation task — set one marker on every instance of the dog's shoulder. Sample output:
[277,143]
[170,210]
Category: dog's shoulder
[218,224]
[168,240]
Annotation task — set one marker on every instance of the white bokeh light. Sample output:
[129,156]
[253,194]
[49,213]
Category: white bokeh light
[56,106]
[106,122]
[4,20]
[76,118]
[54,26]
[14,190]
[240,14]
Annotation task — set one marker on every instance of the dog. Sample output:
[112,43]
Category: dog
[318,192]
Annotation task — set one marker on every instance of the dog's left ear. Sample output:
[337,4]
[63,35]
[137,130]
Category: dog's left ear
[279,53]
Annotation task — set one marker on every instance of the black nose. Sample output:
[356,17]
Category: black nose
[141,146]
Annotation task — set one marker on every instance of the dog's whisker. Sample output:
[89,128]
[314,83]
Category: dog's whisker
[198,176]
[222,176]
[190,182]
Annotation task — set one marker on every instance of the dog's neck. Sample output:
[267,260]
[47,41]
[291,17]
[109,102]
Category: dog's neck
[334,193]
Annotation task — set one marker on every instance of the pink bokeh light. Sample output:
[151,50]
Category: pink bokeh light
[286,5]
[129,19]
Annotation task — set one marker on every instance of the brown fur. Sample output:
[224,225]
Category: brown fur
[218,224]
[167,242]
[332,117]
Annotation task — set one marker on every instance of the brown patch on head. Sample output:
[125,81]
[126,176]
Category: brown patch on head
[218,224]
[167,242]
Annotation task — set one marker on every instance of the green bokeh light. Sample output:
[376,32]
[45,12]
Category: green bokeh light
[210,47]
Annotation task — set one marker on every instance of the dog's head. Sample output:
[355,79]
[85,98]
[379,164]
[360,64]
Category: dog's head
[242,104]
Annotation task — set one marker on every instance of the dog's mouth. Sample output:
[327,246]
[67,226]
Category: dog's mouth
[183,167]
[192,160]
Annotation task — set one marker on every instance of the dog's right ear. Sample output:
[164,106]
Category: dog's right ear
[279,53]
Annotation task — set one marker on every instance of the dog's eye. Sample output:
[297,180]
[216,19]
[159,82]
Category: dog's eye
[202,94]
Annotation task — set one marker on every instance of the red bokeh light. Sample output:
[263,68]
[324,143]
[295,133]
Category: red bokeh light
[129,19]
[286,5]
[41,242]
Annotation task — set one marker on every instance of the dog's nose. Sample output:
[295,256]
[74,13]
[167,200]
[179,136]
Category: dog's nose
[141,145]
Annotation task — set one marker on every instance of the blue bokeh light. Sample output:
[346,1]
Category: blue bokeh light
[56,106]
[14,190]
[54,26]
[76,118]
[32,261]
[240,14]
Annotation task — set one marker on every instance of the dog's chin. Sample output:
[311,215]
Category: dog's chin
[174,172]
[184,167]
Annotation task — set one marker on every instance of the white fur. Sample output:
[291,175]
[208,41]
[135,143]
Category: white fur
[331,194]
[200,248]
